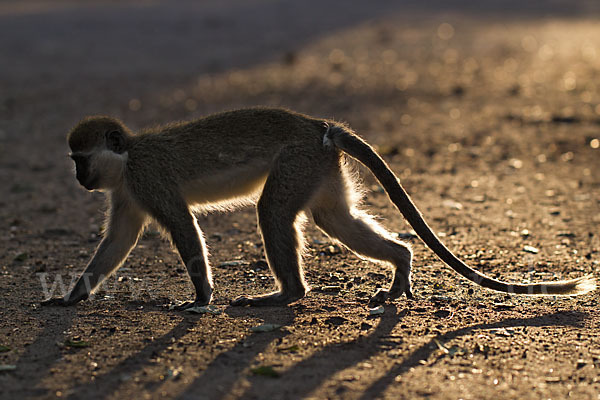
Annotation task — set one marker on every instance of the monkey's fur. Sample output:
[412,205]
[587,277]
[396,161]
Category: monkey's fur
[285,162]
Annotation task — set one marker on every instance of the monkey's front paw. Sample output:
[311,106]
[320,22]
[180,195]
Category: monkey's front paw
[55,301]
[69,300]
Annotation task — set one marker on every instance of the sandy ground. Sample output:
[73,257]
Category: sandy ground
[489,114]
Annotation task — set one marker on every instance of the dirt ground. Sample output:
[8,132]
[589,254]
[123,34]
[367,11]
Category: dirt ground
[490,115]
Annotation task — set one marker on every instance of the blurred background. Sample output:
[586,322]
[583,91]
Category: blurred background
[151,61]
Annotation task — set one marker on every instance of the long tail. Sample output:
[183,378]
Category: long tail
[363,152]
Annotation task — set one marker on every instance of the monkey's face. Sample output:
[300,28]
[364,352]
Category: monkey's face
[82,166]
[99,150]
[101,169]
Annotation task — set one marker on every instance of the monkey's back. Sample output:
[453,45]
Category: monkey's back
[241,140]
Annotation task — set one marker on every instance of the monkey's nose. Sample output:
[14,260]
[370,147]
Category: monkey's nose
[86,184]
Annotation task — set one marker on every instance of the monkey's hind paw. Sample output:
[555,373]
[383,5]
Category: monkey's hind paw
[273,299]
[382,295]
[241,301]
[186,305]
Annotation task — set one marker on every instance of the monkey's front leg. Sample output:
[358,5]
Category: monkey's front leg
[189,241]
[199,273]
[113,249]
[125,225]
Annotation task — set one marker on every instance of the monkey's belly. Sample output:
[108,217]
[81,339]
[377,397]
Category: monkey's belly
[238,186]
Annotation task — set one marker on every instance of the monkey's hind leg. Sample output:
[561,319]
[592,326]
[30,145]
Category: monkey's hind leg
[335,213]
[293,179]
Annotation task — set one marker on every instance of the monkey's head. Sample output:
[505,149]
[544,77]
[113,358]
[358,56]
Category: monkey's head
[99,149]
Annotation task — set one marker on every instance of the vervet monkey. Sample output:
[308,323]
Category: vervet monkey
[286,163]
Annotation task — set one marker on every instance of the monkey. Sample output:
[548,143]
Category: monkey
[289,165]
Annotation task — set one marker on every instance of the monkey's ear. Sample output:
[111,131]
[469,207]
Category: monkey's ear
[115,141]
